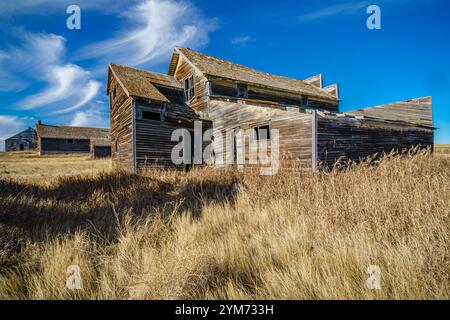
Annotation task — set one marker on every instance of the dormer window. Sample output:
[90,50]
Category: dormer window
[189,88]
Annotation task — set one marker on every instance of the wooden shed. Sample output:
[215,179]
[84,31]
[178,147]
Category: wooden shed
[66,139]
[23,141]
[231,97]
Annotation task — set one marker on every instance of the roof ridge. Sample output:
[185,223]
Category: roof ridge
[259,71]
[141,70]
[77,127]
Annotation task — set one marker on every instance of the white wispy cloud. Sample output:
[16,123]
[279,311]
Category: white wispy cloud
[45,7]
[337,9]
[350,7]
[89,92]
[40,58]
[155,28]
[90,118]
[242,40]
[37,63]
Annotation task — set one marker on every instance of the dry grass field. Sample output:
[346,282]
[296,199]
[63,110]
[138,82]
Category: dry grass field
[221,234]
[30,167]
[442,149]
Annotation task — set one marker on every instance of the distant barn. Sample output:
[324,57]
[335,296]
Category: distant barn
[66,140]
[23,141]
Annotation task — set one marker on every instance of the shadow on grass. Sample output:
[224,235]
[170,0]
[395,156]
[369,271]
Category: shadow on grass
[96,205]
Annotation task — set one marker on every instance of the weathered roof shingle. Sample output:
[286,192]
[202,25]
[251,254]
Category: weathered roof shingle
[66,132]
[220,68]
[143,84]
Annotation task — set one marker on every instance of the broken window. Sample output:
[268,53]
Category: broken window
[262,132]
[304,101]
[242,91]
[151,115]
[189,88]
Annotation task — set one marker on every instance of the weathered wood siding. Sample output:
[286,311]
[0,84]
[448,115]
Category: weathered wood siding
[185,70]
[223,88]
[52,146]
[417,111]
[100,152]
[25,139]
[121,128]
[295,129]
[352,139]
[153,137]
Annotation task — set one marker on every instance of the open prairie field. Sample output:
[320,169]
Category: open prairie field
[221,234]
[30,167]
[442,149]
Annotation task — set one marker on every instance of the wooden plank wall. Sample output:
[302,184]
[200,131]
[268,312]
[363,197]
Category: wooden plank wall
[153,138]
[353,139]
[153,142]
[185,70]
[100,152]
[223,88]
[27,138]
[418,111]
[52,146]
[122,128]
[294,128]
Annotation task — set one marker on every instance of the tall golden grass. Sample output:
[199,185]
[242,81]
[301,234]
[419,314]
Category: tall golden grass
[221,234]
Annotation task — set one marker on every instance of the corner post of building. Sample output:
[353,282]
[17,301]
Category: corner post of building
[314,140]
[133,121]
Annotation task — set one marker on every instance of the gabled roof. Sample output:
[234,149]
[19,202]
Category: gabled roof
[66,132]
[415,111]
[215,67]
[141,83]
[20,134]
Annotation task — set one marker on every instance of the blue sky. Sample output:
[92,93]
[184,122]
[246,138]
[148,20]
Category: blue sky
[58,75]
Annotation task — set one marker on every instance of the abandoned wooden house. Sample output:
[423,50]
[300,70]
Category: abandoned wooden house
[67,140]
[146,107]
[23,141]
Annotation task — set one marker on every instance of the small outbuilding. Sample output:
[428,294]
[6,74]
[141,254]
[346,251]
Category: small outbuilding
[23,141]
[100,148]
[66,139]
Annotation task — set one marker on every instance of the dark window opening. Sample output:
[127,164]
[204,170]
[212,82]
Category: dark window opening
[262,132]
[235,151]
[116,146]
[151,115]
[305,101]
[69,141]
[242,91]
[189,88]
